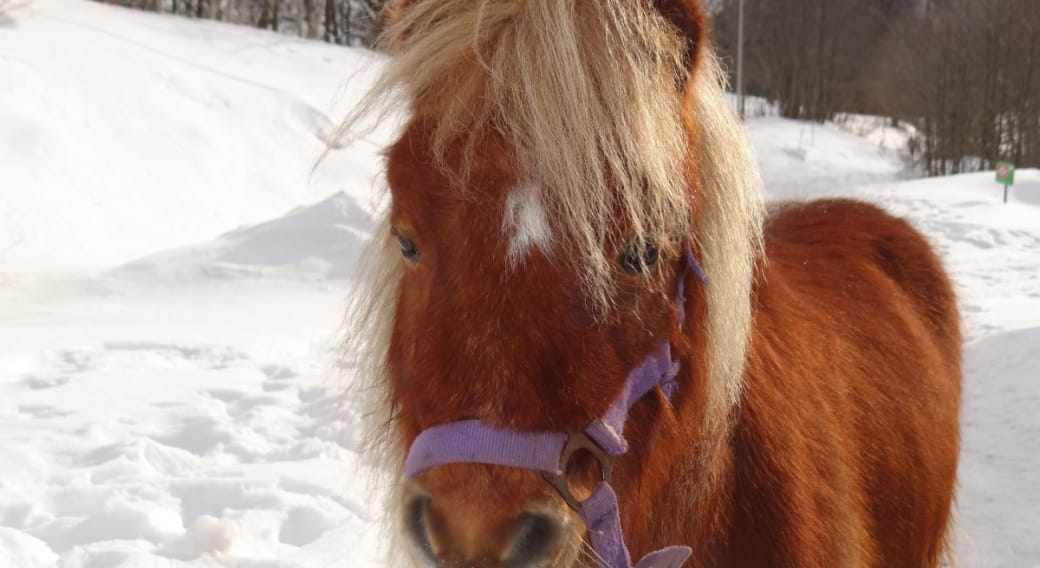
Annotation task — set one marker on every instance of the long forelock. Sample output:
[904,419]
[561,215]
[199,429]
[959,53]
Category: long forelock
[585,94]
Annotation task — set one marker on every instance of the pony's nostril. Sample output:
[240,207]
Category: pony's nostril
[537,539]
[417,521]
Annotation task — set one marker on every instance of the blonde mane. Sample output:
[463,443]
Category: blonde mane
[589,109]
[587,94]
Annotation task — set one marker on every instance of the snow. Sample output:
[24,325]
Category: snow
[206,127]
[173,274]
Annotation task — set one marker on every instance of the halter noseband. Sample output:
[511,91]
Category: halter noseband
[472,441]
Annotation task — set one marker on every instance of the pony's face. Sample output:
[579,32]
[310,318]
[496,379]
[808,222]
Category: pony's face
[539,199]
[493,323]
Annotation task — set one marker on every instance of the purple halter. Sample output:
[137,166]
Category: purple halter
[472,441]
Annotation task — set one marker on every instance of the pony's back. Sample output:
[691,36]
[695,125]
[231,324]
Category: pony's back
[847,442]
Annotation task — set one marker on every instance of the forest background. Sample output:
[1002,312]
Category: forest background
[962,75]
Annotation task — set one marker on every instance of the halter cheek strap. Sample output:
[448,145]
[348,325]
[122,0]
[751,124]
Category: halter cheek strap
[472,441]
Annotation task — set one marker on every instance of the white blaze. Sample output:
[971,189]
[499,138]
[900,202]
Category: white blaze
[525,222]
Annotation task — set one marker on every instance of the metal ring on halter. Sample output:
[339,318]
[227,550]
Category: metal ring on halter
[579,441]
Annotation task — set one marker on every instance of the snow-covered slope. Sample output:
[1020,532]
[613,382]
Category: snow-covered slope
[172,280]
[119,123]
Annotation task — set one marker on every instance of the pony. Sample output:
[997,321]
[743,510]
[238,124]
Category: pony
[583,337]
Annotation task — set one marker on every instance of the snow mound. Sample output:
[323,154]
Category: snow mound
[208,535]
[312,243]
[22,550]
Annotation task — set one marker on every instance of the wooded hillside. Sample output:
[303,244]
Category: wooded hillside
[964,73]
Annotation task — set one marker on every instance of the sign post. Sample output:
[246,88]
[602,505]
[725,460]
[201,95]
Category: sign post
[740,60]
[1006,176]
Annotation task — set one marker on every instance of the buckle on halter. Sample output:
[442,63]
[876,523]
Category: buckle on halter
[578,441]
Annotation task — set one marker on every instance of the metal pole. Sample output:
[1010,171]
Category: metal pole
[740,61]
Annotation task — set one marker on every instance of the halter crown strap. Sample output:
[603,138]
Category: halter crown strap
[472,441]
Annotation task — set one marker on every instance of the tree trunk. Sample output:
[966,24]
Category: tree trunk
[331,26]
[310,17]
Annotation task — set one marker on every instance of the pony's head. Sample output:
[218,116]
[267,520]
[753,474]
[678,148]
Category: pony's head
[560,157]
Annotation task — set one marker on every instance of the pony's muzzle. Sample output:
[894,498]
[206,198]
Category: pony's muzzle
[448,533]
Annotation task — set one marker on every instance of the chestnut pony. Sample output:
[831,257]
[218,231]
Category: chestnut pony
[586,341]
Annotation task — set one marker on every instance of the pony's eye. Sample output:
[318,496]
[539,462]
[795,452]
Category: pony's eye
[639,257]
[409,250]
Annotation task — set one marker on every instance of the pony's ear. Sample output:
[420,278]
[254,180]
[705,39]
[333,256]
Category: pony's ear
[689,18]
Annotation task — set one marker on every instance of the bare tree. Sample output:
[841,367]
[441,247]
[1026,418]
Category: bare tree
[965,72]
[309,18]
[5,9]
[805,54]
[331,22]
[349,22]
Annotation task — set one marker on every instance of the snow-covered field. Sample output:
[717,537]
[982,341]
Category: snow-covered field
[172,278]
